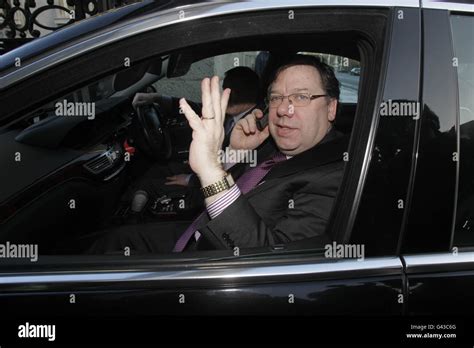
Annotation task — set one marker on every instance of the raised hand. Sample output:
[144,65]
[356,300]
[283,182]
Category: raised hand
[208,131]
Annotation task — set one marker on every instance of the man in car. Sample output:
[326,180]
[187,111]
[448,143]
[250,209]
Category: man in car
[287,197]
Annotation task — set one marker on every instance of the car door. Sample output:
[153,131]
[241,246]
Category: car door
[438,239]
[279,280]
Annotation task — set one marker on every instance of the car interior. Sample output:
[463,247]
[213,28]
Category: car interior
[83,173]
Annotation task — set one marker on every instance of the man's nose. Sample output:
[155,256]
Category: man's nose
[285,108]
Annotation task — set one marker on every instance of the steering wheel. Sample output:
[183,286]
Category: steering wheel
[153,136]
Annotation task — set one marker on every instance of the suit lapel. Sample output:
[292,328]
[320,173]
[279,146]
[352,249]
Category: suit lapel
[331,150]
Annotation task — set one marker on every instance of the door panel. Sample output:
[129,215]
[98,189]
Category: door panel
[319,286]
[440,283]
[430,221]
[371,286]
[384,197]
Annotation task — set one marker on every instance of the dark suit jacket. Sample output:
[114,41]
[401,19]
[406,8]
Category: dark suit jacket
[293,202]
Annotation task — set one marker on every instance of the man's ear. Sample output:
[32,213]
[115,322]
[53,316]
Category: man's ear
[332,108]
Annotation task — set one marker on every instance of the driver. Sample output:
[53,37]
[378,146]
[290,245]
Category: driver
[287,197]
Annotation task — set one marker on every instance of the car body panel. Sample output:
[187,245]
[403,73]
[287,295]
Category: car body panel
[392,152]
[232,289]
[430,222]
[440,283]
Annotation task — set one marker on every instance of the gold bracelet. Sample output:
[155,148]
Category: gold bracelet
[226,183]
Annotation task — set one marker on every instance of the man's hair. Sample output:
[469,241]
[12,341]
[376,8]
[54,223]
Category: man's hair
[328,79]
[244,85]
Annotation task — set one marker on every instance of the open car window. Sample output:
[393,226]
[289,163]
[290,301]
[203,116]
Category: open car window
[118,180]
[99,118]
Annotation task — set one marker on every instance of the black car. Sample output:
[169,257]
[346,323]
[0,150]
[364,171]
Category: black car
[407,196]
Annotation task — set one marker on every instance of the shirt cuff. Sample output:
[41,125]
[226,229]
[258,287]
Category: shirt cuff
[219,205]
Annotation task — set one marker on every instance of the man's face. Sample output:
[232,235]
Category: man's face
[298,128]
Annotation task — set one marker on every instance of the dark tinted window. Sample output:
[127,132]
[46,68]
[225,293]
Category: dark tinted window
[379,219]
[463,38]
[429,219]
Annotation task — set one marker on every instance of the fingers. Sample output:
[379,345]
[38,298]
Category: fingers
[252,124]
[224,102]
[141,99]
[214,104]
[247,126]
[216,98]
[243,124]
[172,180]
[193,119]
[179,179]
[257,113]
[207,110]
[249,122]
[137,100]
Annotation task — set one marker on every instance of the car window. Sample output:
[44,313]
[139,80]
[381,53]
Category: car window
[99,122]
[463,31]
[189,84]
[78,119]
[347,71]
[116,180]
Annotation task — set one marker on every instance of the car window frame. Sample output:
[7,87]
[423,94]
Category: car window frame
[359,149]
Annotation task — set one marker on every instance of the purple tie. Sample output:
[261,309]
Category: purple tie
[246,182]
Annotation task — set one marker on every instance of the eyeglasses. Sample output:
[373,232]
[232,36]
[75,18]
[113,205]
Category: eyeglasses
[296,99]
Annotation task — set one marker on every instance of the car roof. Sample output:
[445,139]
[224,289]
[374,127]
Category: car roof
[154,14]
[151,14]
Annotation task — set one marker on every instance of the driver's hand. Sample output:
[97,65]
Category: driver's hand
[144,99]
[178,179]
